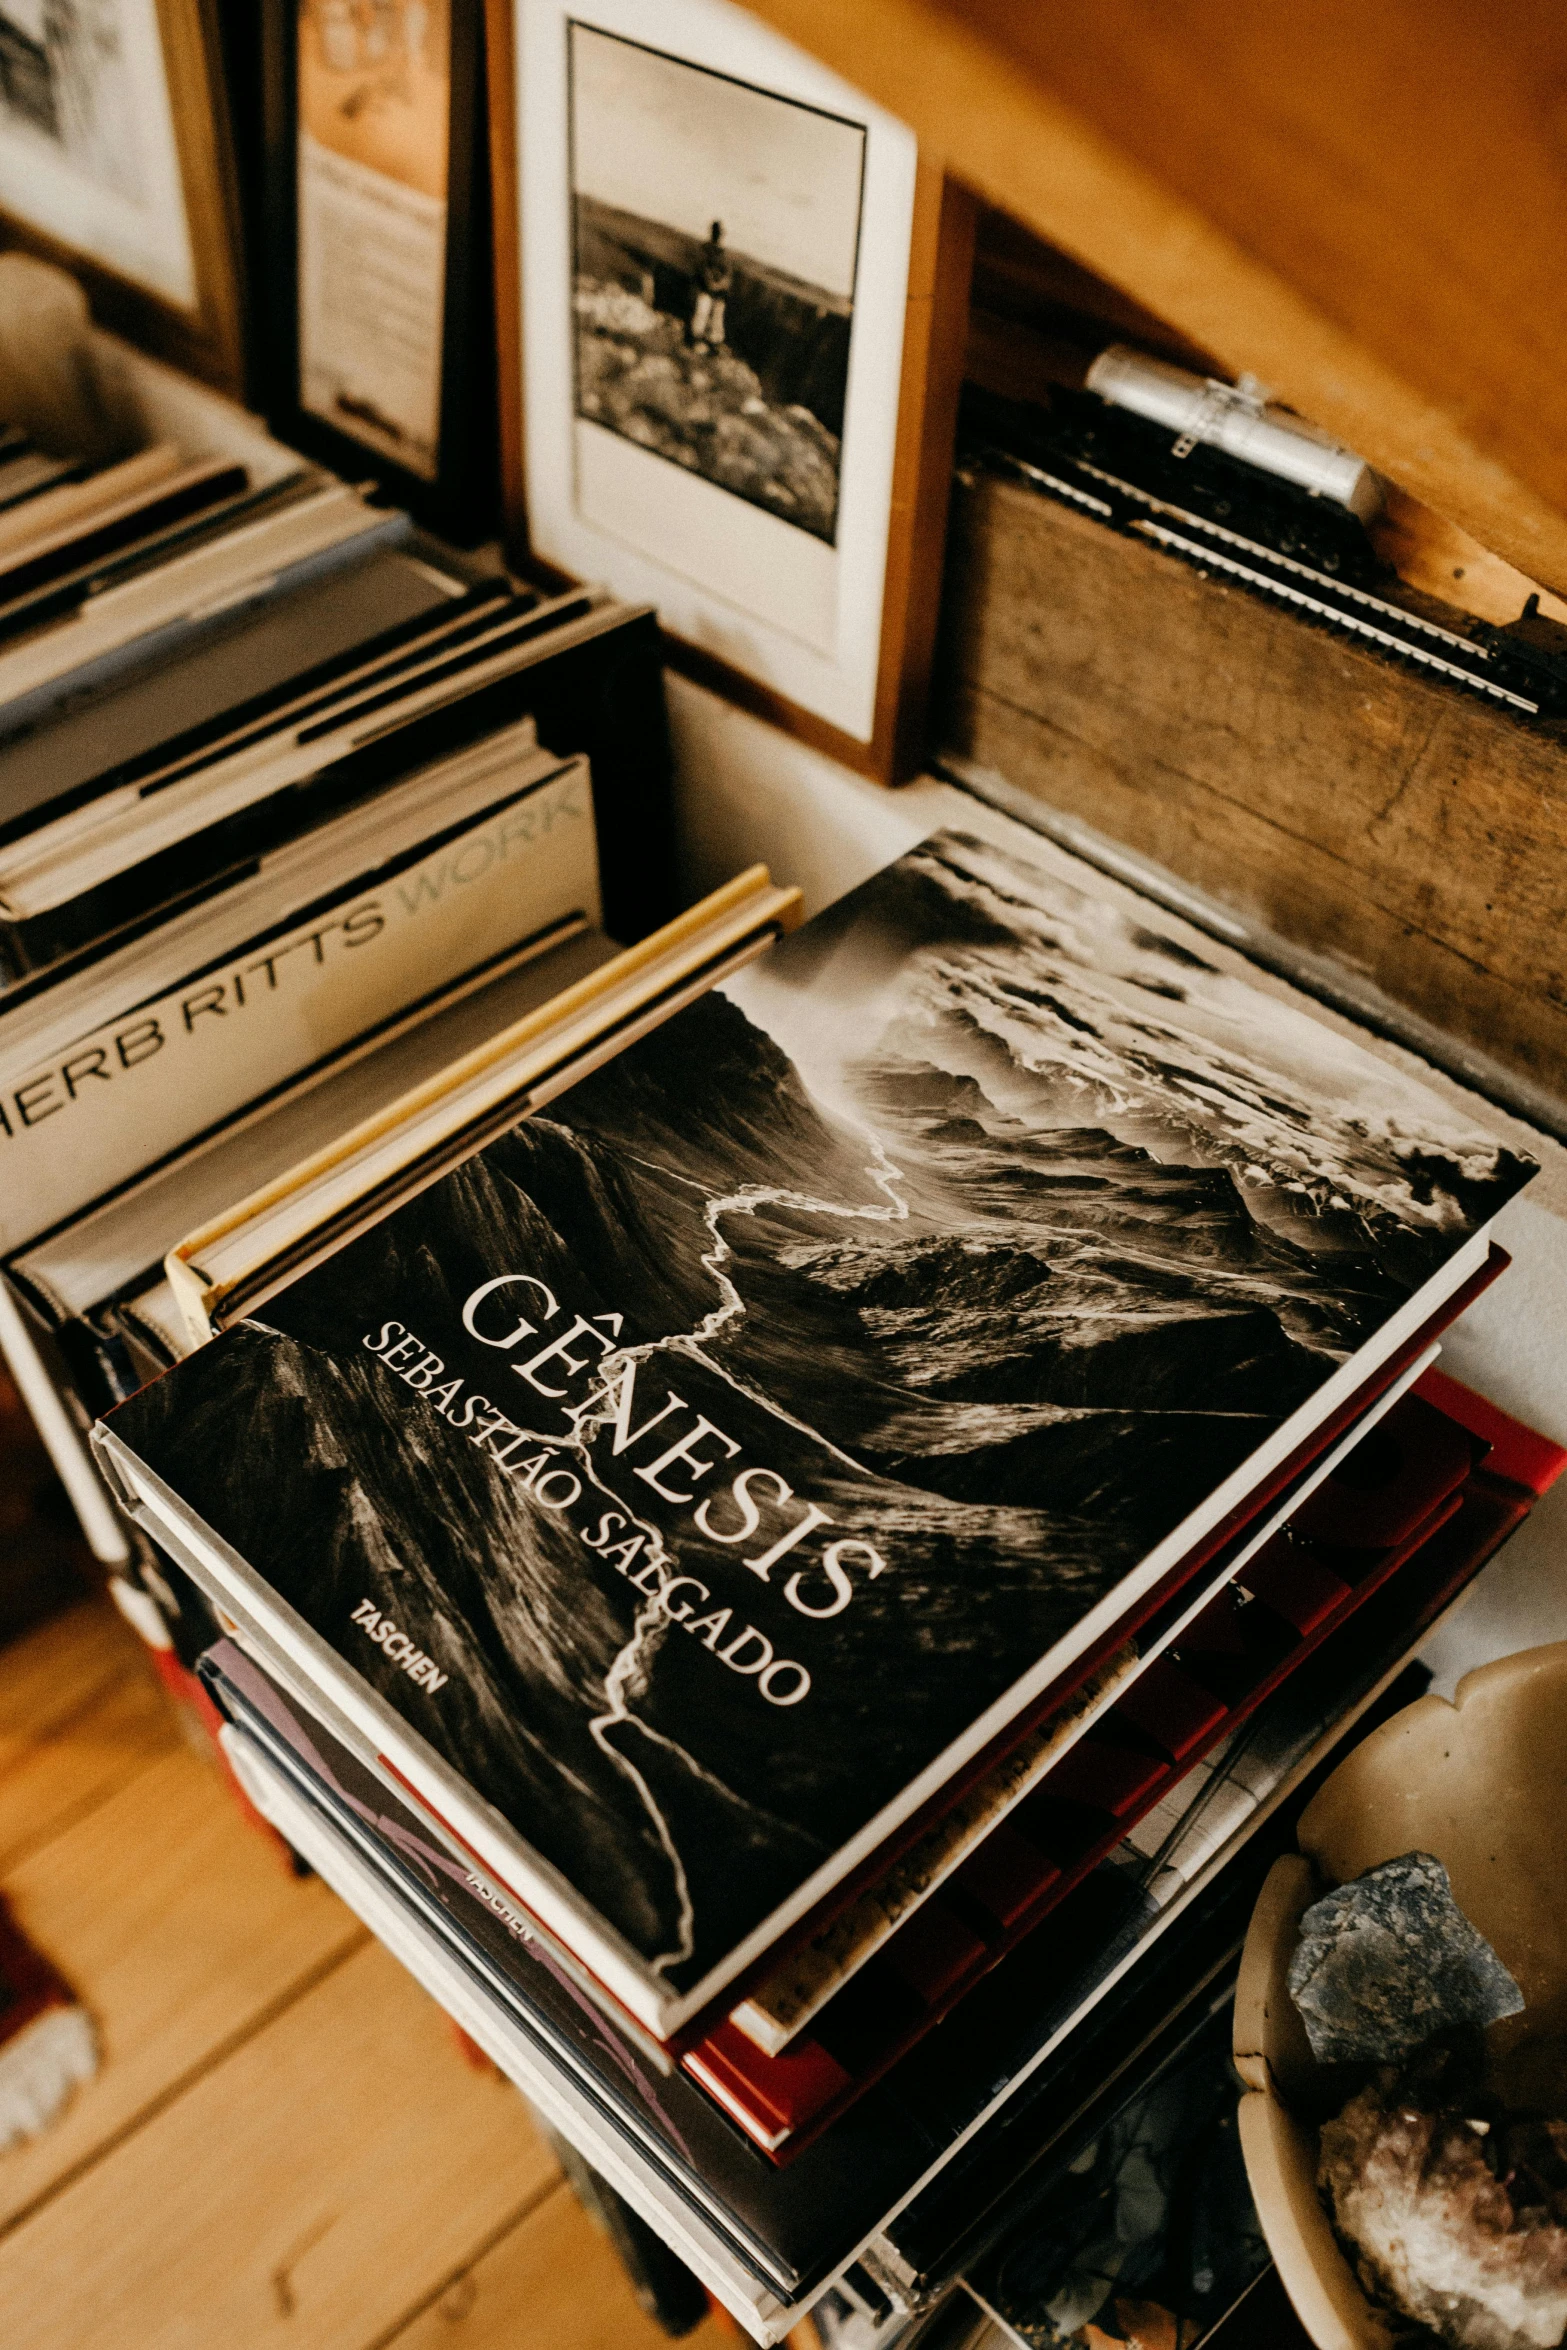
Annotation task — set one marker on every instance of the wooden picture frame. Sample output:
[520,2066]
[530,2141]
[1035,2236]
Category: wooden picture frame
[379,351]
[592,103]
[116,162]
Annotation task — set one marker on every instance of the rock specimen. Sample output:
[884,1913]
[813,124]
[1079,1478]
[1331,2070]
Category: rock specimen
[1388,1961]
[1454,2213]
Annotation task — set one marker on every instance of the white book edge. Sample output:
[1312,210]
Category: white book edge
[565,2109]
[757,2023]
[113,1252]
[430,1917]
[65,1443]
[517,1069]
[307,870]
[242,1624]
[169,1073]
[120,829]
[544,1890]
[193,584]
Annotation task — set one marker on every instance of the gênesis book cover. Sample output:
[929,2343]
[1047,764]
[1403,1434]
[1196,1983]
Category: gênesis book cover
[703,1470]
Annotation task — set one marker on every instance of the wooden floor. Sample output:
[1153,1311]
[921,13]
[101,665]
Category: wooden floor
[284,2145]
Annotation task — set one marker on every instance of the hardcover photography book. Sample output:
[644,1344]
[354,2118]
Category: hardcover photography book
[932,2164]
[698,1480]
[783,1171]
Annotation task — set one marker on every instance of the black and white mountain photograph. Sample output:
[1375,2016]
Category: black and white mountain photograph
[841,1343]
[715,244]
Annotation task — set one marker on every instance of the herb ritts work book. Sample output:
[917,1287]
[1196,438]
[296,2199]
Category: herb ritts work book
[680,1493]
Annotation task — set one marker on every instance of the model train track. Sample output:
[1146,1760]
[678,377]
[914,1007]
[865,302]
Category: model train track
[1315,595]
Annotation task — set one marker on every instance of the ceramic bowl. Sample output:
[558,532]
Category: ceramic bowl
[1481,1782]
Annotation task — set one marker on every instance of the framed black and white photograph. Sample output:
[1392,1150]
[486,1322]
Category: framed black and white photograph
[376,260]
[722,351]
[115,162]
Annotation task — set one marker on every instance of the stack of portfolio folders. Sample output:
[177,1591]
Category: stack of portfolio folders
[790,1513]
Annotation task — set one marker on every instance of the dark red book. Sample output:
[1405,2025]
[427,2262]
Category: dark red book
[710,1474]
[1429,1492]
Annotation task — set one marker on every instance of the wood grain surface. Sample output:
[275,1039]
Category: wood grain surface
[1355,806]
[537,2265]
[185,1937]
[1365,207]
[284,2145]
[79,1713]
[324,2173]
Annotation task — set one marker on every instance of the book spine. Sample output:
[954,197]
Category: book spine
[115,1101]
[49,1403]
[108,648]
[1299,1590]
[518,2055]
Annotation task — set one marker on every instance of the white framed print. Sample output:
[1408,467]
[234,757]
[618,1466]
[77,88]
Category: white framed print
[115,161]
[723,277]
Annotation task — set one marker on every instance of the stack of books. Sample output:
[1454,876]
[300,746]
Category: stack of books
[298,810]
[790,1512]
[793,1527]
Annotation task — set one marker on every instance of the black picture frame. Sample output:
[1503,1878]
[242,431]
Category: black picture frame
[462,501]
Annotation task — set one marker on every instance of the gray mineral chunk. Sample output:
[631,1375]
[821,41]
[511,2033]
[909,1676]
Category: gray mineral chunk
[1390,1960]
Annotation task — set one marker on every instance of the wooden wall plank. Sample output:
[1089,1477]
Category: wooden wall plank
[313,2188]
[1356,807]
[80,1712]
[1366,207]
[553,2282]
[180,1928]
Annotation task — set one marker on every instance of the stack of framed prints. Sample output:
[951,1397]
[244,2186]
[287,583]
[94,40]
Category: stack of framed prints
[728,301]
[732,303]
[115,161]
[380,353]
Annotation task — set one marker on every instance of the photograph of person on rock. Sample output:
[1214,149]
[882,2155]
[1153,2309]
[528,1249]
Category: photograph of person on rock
[716,238]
